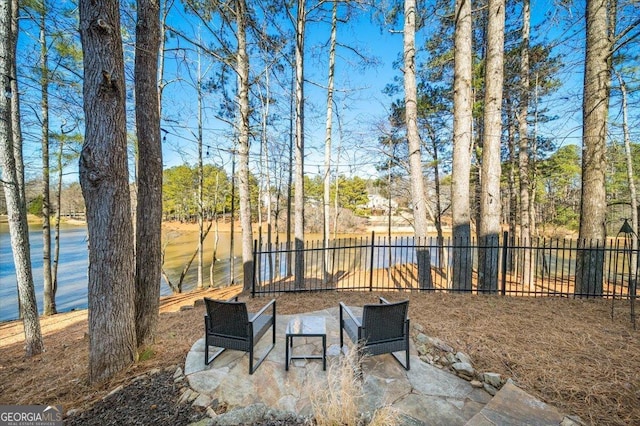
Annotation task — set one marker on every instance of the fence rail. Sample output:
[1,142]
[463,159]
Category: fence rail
[541,267]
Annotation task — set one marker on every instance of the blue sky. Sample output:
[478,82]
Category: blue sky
[360,102]
[366,104]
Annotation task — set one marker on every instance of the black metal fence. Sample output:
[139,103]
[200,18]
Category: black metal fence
[503,265]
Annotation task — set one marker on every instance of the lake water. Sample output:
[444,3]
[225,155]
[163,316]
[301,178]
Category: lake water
[72,271]
[179,246]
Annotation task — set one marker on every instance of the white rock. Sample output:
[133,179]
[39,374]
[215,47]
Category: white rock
[185,396]
[423,339]
[464,369]
[572,421]
[178,373]
[493,379]
[442,345]
[490,389]
[211,413]
[462,357]
[193,396]
[202,401]
[451,358]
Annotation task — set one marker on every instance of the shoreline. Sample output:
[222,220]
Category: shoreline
[12,330]
[377,224]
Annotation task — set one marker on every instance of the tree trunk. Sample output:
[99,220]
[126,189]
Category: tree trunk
[104,178]
[149,206]
[232,239]
[16,207]
[243,147]
[593,206]
[216,236]
[200,195]
[490,203]
[462,136]
[49,300]
[56,246]
[327,144]
[513,193]
[267,168]
[299,151]
[15,103]
[533,146]
[413,139]
[290,174]
[633,262]
[443,256]
[15,116]
[524,151]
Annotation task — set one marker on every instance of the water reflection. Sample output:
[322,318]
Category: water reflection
[72,272]
[179,245]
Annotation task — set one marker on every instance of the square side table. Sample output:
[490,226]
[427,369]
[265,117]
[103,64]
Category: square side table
[305,326]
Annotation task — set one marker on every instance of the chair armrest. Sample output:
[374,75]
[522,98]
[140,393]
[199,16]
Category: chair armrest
[207,323]
[272,304]
[353,318]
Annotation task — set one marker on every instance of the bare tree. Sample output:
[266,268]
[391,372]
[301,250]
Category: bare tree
[48,293]
[326,196]
[104,177]
[15,104]
[13,191]
[593,206]
[15,114]
[462,137]
[149,205]
[413,139]
[299,146]
[632,185]
[490,203]
[523,154]
[243,144]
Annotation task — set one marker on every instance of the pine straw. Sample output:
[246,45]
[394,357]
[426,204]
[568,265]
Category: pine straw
[566,352]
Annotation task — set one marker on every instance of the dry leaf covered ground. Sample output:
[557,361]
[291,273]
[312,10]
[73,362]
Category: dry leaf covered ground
[569,353]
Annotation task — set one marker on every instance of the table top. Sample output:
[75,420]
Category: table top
[306,325]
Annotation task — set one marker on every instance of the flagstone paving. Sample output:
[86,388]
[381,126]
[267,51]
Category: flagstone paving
[425,395]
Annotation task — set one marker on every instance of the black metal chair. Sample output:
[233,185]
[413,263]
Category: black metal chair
[228,325]
[383,328]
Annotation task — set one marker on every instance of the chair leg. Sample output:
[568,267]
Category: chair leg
[341,329]
[408,361]
[404,365]
[208,360]
[251,370]
[253,367]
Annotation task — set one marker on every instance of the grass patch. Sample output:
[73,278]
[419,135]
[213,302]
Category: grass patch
[338,403]
[146,354]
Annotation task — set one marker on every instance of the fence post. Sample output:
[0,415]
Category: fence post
[505,248]
[253,281]
[373,237]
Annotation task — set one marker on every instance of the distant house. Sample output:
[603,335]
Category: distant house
[378,203]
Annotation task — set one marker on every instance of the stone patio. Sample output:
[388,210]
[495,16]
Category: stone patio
[425,395]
